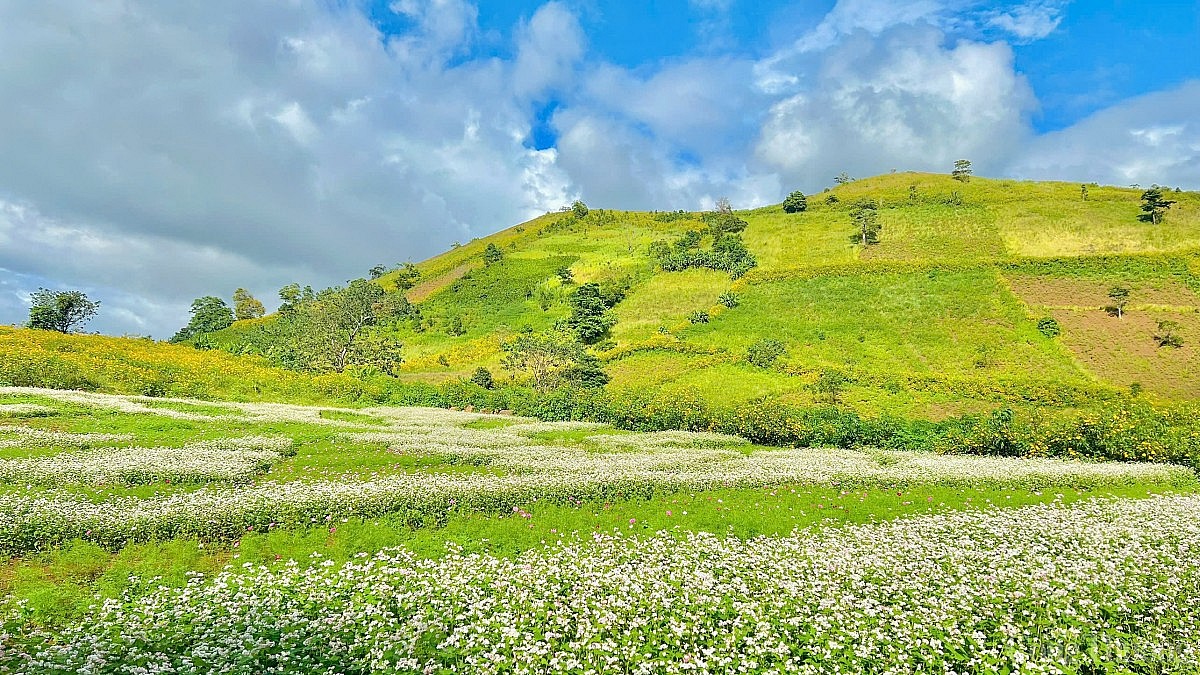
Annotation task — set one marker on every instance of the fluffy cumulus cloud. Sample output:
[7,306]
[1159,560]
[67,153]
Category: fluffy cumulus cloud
[1151,139]
[176,149]
[899,99]
[155,152]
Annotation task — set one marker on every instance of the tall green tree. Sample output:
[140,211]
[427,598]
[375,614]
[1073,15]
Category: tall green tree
[62,311]
[795,203]
[492,255]
[865,216]
[209,314]
[331,330]
[543,356]
[962,170]
[1154,207]
[590,316]
[246,306]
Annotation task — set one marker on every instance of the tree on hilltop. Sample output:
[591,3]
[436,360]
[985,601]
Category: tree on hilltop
[962,170]
[62,311]
[246,306]
[1154,207]
[209,314]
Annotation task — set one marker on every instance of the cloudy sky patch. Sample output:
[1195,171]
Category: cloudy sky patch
[157,152]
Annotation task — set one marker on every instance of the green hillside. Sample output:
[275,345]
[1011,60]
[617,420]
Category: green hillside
[939,318]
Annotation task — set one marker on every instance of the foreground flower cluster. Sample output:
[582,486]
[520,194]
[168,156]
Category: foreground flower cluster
[1101,586]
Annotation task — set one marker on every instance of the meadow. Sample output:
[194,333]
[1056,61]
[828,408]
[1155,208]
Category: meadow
[185,536]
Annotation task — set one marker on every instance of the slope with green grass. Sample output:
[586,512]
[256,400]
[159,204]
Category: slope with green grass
[940,317]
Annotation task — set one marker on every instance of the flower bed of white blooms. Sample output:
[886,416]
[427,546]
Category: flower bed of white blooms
[224,460]
[1099,586]
[26,437]
[25,410]
[35,519]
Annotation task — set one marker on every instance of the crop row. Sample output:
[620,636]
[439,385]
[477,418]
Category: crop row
[36,519]
[223,460]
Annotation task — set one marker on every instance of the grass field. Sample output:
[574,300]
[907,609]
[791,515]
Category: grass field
[191,536]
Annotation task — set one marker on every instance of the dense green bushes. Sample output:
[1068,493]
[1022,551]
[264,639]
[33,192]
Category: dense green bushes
[1121,430]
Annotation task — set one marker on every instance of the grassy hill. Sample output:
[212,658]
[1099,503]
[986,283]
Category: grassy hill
[939,318]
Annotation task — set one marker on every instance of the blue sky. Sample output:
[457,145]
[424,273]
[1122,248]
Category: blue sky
[157,152]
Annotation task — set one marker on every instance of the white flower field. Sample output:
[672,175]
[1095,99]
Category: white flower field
[984,565]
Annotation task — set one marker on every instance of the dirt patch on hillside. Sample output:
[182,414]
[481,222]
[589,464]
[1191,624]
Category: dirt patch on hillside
[1051,292]
[425,289]
[1123,351]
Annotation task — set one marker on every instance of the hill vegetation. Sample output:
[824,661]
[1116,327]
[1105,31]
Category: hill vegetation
[979,299]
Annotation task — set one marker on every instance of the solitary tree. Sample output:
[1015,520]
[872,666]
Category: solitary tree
[962,170]
[795,203]
[842,178]
[543,356]
[209,314]
[62,311]
[579,209]
[1154,207]
[492,255]
[723,206]
[332,327]
[1120,297]
[1168,334]
[246,306]
[832,383]
[865,217]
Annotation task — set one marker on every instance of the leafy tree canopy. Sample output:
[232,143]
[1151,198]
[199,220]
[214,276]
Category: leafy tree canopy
[62,311]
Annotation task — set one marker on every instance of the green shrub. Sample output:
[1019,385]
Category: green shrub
[1049,327]
[764,352]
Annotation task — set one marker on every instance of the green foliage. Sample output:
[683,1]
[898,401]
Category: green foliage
[246,306]
[1154,207]
[483,377]
[962,170]
[698,316]
[209,314]
[1120,298]
[565,275]
[1049,327]
[728,254]
[579,209]
[586,372]
[332,331]
[729,299]
[796,202]
[1167,334]
[543,356]
[590,316]
[865,217]
[764,352]
[61,311]
[492,255]
[832,383]
[455,327]
[843,178]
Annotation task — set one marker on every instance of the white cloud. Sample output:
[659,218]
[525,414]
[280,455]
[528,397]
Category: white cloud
[899,100]
[1032,21]
[1149,139]
[157,152]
